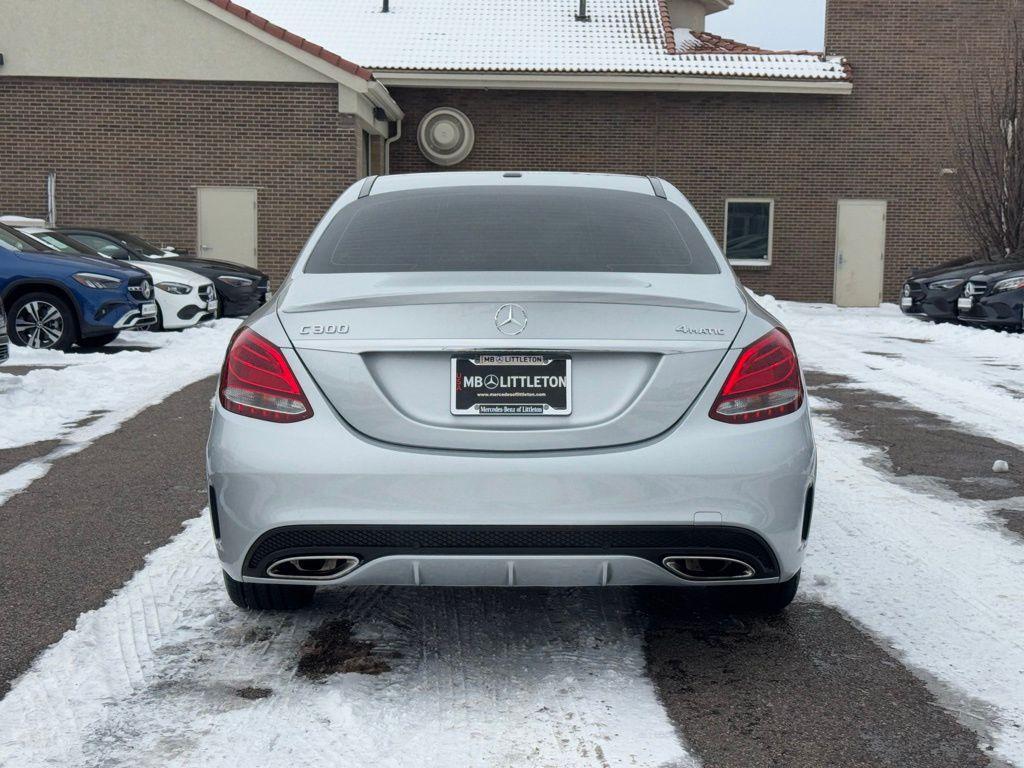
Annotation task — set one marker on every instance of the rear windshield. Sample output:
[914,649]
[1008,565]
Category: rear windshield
[556,229]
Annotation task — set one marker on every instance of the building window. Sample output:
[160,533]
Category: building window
[749,228]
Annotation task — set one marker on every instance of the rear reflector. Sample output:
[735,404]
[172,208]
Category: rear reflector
[257,381]
[764,384]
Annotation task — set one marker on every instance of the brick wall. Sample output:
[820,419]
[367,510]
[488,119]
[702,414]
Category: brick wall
[886,141]
[130,154]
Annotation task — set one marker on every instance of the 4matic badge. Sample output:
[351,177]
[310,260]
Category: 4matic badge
[694,331]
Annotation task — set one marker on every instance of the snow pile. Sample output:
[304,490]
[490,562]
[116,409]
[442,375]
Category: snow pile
[91,395]
[45,404]
[970,376]
[164,674]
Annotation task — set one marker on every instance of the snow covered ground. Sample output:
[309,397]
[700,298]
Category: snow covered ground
[477,678]
[168,673]
[936,576]
[77,397]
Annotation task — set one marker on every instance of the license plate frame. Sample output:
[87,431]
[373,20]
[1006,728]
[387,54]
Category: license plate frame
[148,309]
[906,302]
[517,389]
[964,304]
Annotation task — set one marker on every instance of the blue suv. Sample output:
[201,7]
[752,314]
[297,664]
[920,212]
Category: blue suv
[55,300]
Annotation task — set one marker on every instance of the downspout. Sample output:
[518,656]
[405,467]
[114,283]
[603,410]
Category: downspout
[394,126]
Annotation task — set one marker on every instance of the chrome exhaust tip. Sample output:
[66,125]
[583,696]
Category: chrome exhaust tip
[707,568]
[308,567]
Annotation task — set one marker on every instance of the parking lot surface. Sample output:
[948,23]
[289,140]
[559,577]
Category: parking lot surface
[904,647]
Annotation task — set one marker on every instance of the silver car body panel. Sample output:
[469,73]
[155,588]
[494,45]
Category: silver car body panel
[650,353]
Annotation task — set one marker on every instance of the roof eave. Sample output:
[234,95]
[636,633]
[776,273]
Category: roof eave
[606,81]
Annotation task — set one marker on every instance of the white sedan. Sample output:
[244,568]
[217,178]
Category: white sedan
[184,298]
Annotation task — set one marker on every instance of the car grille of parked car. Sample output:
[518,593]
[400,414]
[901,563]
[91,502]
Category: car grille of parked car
[650,542]
[140,288]
[207,292]
[975,288]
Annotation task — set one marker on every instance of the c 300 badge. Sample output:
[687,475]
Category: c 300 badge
[327,329]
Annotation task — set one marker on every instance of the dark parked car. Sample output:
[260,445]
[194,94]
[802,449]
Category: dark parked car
[994,299]
[933,293]
[56,300]
[241,289]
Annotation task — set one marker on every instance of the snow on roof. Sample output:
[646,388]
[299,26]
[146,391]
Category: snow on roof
[622,36]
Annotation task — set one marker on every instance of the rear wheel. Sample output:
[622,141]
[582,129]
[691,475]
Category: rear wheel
[761,598]
[95,342]
[268,597]
[42,321]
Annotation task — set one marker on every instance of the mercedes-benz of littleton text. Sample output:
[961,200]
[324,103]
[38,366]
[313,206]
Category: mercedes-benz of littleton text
[511,379]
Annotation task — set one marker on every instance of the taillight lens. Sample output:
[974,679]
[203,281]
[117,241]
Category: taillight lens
[764,384]
[257,381]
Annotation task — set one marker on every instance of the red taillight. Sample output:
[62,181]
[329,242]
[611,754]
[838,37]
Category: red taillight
[257,381]
[764,384]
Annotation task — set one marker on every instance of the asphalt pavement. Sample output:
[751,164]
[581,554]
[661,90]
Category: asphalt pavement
[808,688]
[78,533]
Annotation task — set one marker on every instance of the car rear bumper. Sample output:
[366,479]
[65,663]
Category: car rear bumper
[702,476]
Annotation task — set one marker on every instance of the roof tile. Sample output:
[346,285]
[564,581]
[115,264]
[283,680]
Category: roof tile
[622,37]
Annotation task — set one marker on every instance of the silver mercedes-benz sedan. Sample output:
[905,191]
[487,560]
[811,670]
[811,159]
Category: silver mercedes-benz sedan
[511,379]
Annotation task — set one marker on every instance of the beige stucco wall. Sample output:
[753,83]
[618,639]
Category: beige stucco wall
[158,39]
[688,14]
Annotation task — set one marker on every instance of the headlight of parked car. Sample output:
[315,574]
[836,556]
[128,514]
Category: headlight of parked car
[178,289]
[237,282]
[89,280]
[946,285]
[1010,284]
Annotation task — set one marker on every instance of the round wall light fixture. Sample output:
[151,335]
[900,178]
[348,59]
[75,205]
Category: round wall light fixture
[445,136]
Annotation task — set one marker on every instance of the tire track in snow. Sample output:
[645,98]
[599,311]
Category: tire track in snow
[480,677]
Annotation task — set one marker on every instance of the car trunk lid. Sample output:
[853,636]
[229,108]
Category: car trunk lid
[640,350]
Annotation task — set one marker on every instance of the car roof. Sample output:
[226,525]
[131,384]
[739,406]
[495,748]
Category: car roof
[401,182]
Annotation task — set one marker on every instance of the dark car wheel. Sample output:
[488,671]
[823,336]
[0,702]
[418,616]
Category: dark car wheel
[42,321]
[268,597]
[95,342]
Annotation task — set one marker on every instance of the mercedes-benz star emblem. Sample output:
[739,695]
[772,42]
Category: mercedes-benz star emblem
[510,319]
[491,381]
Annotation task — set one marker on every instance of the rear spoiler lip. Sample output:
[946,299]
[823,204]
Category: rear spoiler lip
[506,295]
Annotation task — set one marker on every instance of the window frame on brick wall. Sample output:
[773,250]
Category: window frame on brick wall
[765,262]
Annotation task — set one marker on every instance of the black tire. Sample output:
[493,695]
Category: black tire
[158,326]
[268,597]
[95,342]
[42,328]
[761,598]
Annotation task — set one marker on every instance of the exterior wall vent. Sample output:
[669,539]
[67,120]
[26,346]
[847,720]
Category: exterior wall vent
[445,136]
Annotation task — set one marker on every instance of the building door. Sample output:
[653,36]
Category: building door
[860,252]
[227,224]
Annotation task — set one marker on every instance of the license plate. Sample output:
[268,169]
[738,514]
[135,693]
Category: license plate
[965,303]
[511,385]
[149,309]
[906,301]
[212,305]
